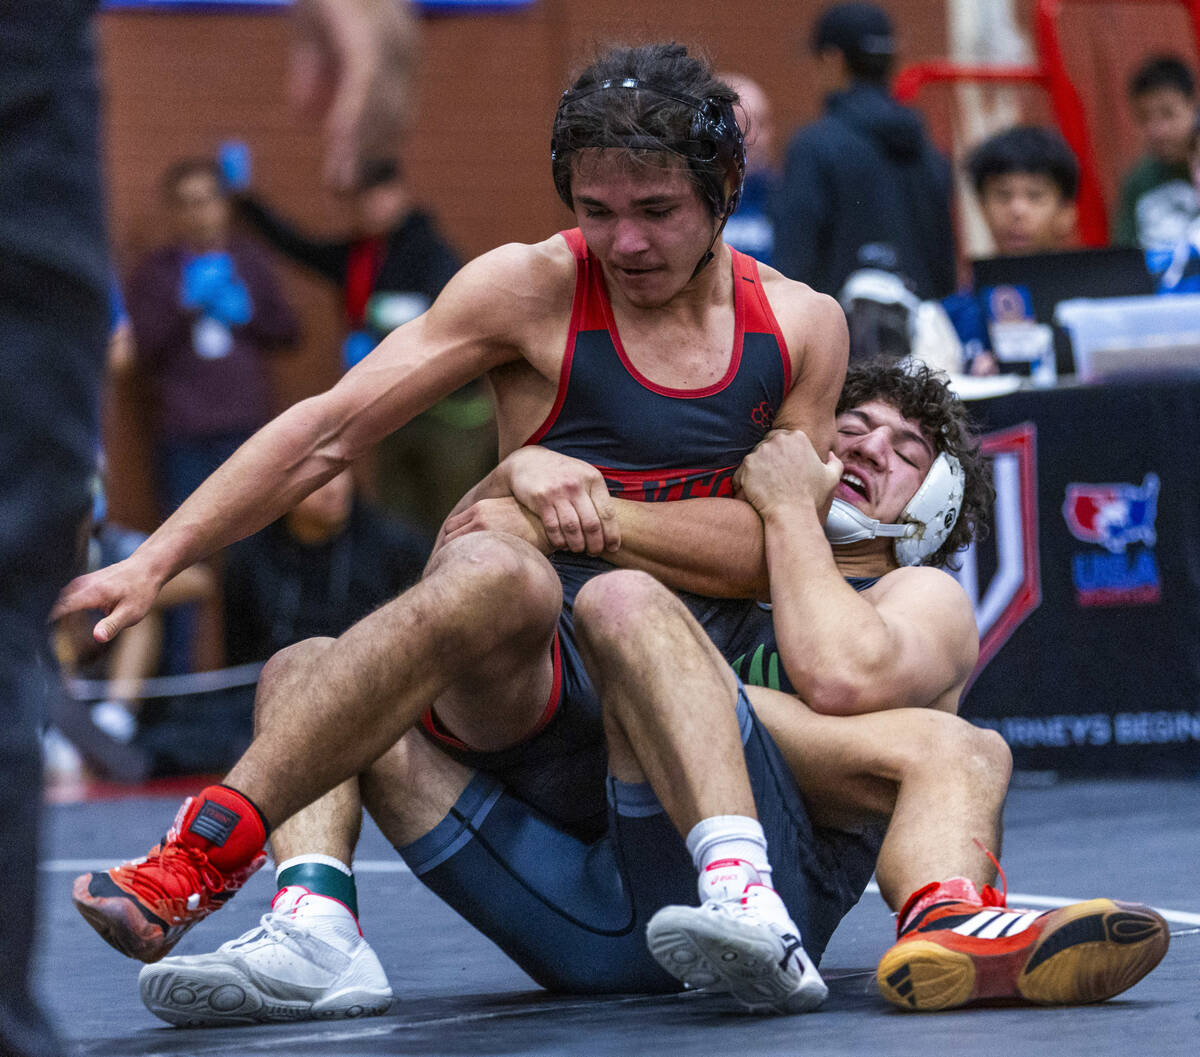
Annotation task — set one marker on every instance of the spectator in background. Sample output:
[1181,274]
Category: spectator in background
[863,184]
[105,734]
[1026,179]
[317,570]
[1182,275]
[207,310]
[54,280]
[750,228]
[1158,200]
[389,268]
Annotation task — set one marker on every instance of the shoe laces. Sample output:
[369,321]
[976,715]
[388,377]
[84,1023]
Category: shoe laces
[988,895]
[173,872]
[761,905]
[301,940]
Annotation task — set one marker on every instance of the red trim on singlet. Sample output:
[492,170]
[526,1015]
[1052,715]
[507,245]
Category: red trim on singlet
[669,484]
[574,239]
[767,320]
[435,730]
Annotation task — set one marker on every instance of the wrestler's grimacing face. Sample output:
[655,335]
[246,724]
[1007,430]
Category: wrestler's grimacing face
[644,220]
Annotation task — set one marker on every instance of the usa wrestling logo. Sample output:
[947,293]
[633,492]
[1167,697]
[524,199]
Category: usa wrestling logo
[1001,575]
[1120,519]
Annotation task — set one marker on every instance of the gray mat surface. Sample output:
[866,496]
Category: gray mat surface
[457,994]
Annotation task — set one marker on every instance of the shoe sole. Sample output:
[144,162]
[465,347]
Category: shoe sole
[222,996]
[696,951]
[121,924]
[1087,952]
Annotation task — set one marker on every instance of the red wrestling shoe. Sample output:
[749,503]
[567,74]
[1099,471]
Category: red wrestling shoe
[955,953]
[143,907]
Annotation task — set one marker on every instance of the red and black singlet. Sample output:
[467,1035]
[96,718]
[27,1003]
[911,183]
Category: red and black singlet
[653,443]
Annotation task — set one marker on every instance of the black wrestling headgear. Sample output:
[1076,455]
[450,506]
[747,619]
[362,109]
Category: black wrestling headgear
[713,145]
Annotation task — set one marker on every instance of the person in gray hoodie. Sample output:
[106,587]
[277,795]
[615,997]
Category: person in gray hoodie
[863,186]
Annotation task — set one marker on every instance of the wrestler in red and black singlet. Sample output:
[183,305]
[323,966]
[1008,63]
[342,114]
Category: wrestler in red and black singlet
[539,861]
[652,444]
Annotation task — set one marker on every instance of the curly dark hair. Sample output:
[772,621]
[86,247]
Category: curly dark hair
[921,394]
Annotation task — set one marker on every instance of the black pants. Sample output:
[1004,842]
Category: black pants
[53,324]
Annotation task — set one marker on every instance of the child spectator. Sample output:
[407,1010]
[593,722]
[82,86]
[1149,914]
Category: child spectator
[1157,198]
[1026,179]
[207,311]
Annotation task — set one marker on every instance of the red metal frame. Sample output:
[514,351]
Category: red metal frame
[1050,72]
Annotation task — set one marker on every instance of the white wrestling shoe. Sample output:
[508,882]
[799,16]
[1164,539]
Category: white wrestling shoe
[305,960]
[749,947]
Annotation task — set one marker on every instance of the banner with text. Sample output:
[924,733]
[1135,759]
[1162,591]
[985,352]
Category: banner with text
[1087,590]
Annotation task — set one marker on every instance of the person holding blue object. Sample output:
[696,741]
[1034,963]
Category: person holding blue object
[207,311]
[54,320]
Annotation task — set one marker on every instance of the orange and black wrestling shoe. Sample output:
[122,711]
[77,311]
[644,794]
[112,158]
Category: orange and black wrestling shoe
[144,906]
[954,954]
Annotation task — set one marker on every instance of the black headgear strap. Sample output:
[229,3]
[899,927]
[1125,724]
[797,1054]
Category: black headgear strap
[713,124]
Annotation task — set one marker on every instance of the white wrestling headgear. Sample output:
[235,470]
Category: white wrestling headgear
[924,523]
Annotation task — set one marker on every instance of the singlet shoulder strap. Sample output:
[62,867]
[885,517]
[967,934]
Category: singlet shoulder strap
[590,309]
[574,238]
[759,317]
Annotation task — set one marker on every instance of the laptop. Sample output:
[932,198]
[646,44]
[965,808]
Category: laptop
[1041,280]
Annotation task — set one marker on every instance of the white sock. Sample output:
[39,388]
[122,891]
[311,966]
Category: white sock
[728,837]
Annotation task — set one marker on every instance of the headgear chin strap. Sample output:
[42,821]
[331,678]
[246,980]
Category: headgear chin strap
[924,523]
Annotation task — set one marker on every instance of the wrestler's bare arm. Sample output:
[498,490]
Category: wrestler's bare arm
[709,546]
[483,318]
[908,641]
[814,327]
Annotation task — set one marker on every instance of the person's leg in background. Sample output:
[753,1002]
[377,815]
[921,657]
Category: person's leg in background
[53,323]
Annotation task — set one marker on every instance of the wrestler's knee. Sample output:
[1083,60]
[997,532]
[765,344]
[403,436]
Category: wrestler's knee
[279,675]
[504,581]
[939,740]
[992,758]
[612,607]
